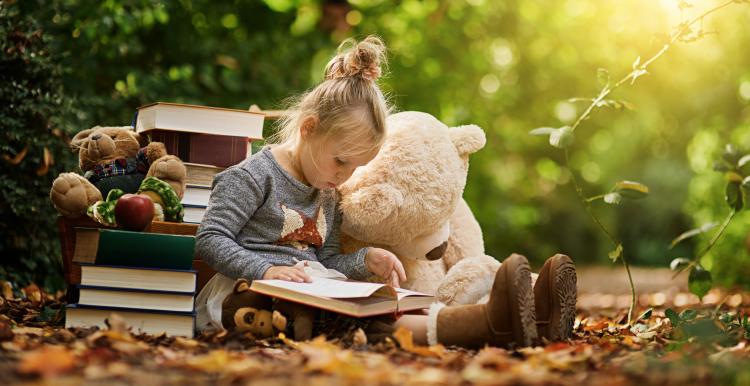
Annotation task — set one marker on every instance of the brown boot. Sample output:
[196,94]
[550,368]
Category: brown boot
[555,298]
[506,319]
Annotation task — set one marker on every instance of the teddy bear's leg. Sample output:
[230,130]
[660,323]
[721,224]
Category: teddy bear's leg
[171,170]
[71,194]
[468,281]
[302,317]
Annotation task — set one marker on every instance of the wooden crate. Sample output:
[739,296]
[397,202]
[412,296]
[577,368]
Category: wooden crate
[72,271]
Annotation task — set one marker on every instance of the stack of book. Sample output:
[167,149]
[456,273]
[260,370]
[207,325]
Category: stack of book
[207,139]
[146,278]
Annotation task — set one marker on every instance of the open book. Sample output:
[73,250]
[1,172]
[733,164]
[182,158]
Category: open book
[353,298]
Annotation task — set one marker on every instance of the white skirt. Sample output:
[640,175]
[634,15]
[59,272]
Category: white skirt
[208,302]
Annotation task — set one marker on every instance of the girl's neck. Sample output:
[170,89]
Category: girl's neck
[288,156]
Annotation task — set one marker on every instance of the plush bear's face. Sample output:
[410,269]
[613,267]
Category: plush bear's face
[244,310]
[103,144]
[412,187]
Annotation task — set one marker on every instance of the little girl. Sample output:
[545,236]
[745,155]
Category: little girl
[280,207]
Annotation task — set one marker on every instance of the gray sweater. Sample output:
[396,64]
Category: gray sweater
[260,216]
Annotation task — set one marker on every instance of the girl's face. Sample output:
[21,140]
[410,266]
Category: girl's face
[328,163]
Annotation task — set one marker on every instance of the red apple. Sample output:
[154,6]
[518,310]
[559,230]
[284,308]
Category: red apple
[134,211]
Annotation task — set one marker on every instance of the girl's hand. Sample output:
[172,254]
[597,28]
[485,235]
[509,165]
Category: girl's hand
[386,265]
[283,272]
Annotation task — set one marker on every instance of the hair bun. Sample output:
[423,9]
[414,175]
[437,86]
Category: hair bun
[358,59]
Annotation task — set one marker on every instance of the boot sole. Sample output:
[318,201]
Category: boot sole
[563,281]
[521,300]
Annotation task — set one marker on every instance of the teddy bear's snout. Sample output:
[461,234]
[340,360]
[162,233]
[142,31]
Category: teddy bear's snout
[437,252]
[101,146]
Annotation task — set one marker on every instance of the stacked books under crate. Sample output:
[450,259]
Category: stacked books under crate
[146,278]
[207,139]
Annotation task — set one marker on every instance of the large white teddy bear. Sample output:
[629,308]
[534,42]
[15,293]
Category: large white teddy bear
[409,200]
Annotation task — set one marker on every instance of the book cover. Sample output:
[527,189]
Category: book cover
[199,119]
[141,321]
[133,249]
[217,150]
[358,299]
[138,278]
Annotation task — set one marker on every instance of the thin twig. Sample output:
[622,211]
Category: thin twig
[638,69]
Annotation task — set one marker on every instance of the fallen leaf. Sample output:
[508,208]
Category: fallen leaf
[47,362]
[405,340]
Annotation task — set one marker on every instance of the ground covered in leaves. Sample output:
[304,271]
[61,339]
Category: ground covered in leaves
[697,343]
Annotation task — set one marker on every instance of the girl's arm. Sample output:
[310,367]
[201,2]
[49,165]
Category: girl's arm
[352,265]
[235,196]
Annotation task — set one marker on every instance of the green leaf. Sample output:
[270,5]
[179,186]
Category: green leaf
[731,154]
[613,198]
[743,165]
[614,255]
[679,263]
[542,131]
[721,166]
[699,281]
[672,316]
[688,315]
[692,233]
[602,76]
[733,196]
[746,183]
[562,137]
[631,189]
[646,314]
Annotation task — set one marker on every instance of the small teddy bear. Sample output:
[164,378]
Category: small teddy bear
[113,158]
[246,311]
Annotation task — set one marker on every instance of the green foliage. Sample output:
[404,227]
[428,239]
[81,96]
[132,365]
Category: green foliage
[33,148]
[707,327]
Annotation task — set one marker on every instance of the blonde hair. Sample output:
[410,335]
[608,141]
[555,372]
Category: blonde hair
[348,99]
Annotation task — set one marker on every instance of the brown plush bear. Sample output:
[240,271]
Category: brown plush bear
[247,311]
[113,157]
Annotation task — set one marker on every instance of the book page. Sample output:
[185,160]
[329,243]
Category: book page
[329,288]
[402,293]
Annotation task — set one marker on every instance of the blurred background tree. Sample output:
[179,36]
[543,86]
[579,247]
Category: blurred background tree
[506,66]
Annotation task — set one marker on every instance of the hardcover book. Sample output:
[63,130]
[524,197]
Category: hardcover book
[201,174]
[218,150]
[133,249]
[138,278]
[148,321]
[196,195]
[358,299]
[199,119]
[136,299]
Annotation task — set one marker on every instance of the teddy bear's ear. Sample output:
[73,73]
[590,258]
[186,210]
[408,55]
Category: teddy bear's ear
[467,139]
[371,204]
[81,138]
[241,285]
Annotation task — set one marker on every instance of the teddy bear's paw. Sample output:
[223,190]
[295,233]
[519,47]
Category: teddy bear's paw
[171,170]
[72,194]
